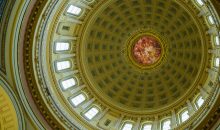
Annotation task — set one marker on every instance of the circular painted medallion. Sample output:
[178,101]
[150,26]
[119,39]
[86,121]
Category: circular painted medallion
[147,50]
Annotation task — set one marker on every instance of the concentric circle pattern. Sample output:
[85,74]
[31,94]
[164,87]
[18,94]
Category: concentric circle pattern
[112,64]
[115,80]
[112,76]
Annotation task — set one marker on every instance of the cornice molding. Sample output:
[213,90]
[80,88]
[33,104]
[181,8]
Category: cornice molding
[28,65]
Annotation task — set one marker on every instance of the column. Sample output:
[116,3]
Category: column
[190,108]
[174,121]
[212,73]
[102,114]
[77,89]
[201,13]
[203,92]
[117,125]
[84,106]
[73,20]
[212,31]
[156,124]
[137,124]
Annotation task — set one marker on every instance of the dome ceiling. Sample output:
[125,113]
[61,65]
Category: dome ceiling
[114,78]
[108,64]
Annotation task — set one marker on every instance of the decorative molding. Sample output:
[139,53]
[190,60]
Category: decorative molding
[29,68]
[36,81]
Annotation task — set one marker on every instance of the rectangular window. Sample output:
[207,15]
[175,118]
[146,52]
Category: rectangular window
[68,83]
[91,113]
[78,99]
[217,60]
[107,122]
[147,127]
[184,116]
[211,20]
[200,2]
[166,125]
[67,28]
[74,10]
[127,126]
[62,65]
[217,41]
[199,102]
[62,46]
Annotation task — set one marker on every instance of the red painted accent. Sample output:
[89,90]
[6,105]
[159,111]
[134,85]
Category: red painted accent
[147,50]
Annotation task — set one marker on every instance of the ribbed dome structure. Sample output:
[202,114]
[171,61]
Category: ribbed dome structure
[110,64]
[110,73]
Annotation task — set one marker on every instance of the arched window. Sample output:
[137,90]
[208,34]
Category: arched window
[74,10]
[127,126]
[91,113]
[62,46]
[147,126]
[78,99]
[62,65]
[68,83]
[184,116]
[166,124]
[199,102]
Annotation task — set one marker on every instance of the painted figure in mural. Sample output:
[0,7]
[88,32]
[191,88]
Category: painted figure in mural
[147,50]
